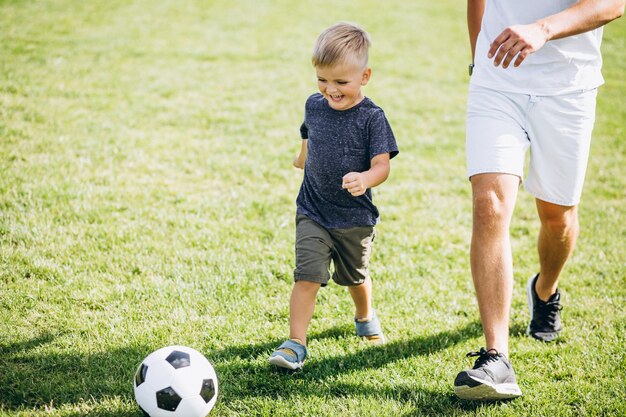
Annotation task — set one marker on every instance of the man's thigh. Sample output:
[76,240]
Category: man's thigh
[496,141]
[560,130]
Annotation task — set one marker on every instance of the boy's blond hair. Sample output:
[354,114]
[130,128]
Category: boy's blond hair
[340,44]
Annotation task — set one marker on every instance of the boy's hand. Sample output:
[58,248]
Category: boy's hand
[354,182]
[298,162]
[300,159]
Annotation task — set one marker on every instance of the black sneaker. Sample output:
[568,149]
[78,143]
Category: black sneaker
[545,316]
[491,378]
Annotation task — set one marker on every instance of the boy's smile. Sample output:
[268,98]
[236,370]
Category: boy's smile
[341,84]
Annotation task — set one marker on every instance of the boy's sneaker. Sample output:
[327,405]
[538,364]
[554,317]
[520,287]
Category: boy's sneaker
[289,355]
[545,316]
[491,378]
[370,330]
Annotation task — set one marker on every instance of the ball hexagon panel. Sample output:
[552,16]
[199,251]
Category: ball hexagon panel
[193,406]
[144,394]
[186,382]
[159,375]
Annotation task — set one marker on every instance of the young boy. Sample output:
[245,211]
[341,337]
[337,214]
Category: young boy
[346,147]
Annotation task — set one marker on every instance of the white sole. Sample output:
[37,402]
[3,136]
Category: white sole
[487,392]
[284,363]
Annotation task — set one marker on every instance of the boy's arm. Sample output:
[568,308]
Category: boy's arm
[475,11]
[358,182]
[298,162]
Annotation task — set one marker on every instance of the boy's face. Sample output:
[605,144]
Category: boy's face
[341,84]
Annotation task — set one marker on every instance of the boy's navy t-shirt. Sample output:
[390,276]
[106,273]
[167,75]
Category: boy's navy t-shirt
[339,142]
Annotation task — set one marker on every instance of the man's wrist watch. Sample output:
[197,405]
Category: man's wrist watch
[471,69]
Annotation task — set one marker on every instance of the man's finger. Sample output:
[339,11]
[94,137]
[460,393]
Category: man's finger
[521,57]
[512,54]
[503,51]
[499,40]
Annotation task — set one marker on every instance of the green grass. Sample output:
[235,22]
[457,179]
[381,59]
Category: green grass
[147,199]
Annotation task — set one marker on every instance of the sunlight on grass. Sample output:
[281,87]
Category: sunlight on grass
[147,198]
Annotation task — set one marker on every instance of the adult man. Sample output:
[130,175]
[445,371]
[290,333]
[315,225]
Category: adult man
[545,101]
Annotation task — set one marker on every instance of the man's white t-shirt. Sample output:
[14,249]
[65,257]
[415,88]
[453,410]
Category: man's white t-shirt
[561,66]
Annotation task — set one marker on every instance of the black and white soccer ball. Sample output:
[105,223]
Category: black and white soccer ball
[175,381]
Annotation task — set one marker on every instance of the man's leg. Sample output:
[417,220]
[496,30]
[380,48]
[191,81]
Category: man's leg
[494,198]
[492,376]
[557,238]
[496,143]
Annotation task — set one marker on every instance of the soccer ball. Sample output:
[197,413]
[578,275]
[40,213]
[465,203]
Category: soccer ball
[175,381]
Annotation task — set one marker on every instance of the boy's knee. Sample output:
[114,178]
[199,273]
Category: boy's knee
[307,285]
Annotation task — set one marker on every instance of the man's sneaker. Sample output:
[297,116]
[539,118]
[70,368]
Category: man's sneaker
[491,378]
[545,316]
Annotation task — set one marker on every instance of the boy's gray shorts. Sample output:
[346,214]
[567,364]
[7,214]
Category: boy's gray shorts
[348,248]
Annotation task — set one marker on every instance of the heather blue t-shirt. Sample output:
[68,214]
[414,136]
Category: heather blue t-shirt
[341,141]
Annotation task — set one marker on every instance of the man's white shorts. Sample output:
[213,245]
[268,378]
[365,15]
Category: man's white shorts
[557,129]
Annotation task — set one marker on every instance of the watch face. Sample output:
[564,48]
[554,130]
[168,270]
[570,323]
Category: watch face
[471,69]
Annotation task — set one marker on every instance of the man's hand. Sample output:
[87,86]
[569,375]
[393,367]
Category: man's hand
[354,182]
[580,17]
[520,41]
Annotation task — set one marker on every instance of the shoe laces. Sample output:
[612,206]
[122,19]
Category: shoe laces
[484,357]
[547,312]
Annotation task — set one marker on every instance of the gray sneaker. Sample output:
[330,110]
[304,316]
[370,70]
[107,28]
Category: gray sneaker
[545,316]
[491,378]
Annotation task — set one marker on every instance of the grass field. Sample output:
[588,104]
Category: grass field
[147,198]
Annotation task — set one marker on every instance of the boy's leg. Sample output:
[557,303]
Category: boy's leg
[313,255]
[362,297]
[353,247]
[494,198]
[301,308]
[365,319]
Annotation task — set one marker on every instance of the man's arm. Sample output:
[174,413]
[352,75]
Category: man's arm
[523,40]
[475,11]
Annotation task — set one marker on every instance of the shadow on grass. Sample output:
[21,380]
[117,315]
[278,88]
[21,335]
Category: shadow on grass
[32,377]
[245,373]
